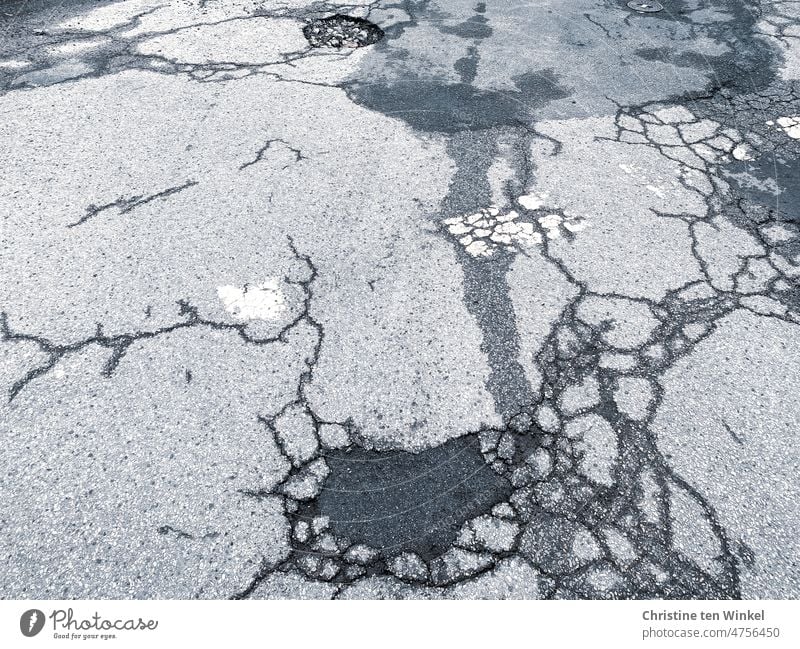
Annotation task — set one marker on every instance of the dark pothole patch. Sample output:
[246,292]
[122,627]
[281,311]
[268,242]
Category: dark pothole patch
[398,501]
[340,31]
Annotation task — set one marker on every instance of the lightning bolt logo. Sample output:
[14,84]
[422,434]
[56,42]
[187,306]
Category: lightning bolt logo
[31,622]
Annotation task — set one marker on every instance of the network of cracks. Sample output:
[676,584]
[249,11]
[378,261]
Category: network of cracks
[575,486]
[573,493]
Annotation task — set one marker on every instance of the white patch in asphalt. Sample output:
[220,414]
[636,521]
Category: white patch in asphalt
[532,201]
[658,191]
[551,223]
[14,64]
[790,125]
[484,232]
[253,301]
[575,224]
[479,249]
[742,152]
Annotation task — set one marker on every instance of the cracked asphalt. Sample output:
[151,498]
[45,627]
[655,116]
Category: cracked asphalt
[420,299]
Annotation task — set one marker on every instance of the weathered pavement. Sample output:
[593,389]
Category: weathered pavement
[462,299]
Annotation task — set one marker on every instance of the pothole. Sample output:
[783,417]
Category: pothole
[342,31]
[398,501]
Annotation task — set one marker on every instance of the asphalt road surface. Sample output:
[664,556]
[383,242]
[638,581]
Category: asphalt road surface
[437,299]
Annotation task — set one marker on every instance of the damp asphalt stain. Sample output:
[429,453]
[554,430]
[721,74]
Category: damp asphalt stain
[486,296]
[685,59]
[476,27]
[486,293]
[467,66]
[433,105]
[426,98]
[397,501]
[745,66]
[771,181]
